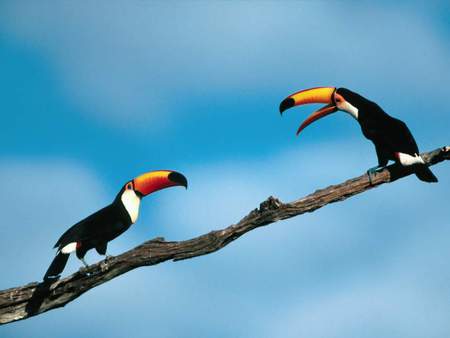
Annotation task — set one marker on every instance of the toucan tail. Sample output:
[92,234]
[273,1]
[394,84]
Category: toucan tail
[57,266]
[424,173]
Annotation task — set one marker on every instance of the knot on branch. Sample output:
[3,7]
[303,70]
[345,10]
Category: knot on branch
[157,240]
[271,203]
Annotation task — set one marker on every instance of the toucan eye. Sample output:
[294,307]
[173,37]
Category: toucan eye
[129,186]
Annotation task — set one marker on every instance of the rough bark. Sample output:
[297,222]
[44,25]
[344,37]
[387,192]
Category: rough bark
[25,301]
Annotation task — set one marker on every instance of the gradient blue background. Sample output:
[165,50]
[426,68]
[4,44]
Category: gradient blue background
[93,94]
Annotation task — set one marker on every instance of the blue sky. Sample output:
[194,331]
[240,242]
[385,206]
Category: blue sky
[95,94]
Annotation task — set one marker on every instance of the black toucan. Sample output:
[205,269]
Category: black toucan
[98,229]
[391,137]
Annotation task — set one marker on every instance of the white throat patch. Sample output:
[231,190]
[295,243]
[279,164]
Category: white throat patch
[349,108]
[131,202]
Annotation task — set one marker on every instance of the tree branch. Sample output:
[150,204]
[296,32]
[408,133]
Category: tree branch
[35,298]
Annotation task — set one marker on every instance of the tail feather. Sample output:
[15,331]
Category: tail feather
[57,266]
[424,173]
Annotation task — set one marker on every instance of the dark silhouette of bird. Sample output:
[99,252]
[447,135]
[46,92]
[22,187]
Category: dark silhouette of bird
[96,230]
[391,137]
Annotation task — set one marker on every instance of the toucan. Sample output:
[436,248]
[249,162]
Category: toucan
[96,230]
[391,137]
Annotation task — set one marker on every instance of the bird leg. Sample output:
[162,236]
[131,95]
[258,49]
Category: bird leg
[83,269]
[86,265]
[104,264]
[373,171]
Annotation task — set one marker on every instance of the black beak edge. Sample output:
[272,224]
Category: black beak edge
[286,104]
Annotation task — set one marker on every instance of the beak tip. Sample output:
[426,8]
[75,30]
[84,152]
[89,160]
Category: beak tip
[286,104]
[178,178]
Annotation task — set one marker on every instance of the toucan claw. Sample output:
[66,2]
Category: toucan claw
[84,271]
[372,172]
[86,265]
[104,266]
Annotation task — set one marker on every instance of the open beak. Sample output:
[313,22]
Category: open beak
[157,180]
[313,95]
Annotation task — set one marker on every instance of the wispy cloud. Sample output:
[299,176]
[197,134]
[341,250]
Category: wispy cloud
[220,68]
[341,262]
[131,65]
[366,267]
[40,199]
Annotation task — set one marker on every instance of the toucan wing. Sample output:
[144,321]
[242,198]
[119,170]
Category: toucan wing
[399,138]
[92,227]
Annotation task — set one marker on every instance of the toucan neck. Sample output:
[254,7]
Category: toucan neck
[351,110]
[131,202]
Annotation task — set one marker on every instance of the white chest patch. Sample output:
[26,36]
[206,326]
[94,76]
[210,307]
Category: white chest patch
[131,203]
[351,109]
[407,160]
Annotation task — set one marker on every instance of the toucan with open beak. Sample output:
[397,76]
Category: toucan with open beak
[103,226]
[391,137]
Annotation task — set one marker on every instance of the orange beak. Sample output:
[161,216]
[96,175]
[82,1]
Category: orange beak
[313,95]
[157,180]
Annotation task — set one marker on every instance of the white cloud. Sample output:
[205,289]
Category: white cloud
[375,262]
[365,267]
[377,307]
[223,192]
[39,200]
[131,65]
[406,296]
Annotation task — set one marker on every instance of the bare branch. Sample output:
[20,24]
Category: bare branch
[35,298]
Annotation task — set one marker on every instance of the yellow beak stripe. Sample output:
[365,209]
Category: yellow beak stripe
[313,95]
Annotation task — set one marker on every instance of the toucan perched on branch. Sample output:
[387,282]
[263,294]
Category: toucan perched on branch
[391,137]
[98,229]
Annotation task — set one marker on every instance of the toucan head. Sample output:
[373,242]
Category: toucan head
[335,98]
[152,181]
[131,193]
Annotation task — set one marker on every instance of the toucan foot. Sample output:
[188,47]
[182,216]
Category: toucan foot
[84,271]
[86,265]
[104,266]
[372,172]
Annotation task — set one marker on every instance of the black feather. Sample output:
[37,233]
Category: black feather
[57,266]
